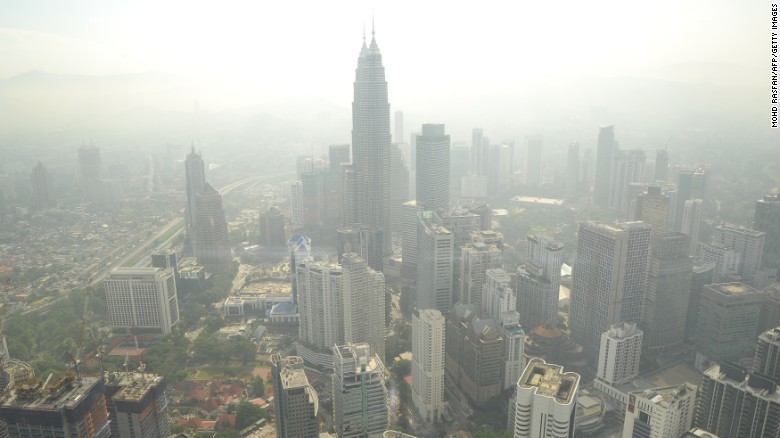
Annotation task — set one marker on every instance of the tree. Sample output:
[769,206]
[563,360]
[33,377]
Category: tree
[258,386]
[247,413]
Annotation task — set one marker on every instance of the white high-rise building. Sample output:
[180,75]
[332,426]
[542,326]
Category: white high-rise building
[142,297]
[539,282]
[498,295]
[660,412]
[627,168]
[364,303]
[533,160]
[409,224]
[621,347]
[514,346]
[428,363]
[545,401]
[296,202]
[748,243]
[435,245]
[359,393]
[475,259]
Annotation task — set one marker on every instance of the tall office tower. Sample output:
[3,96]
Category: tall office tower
[573,172]
[459,166]
[477,140]
[621,347]
[364,241]
[691,184]
[433,168]
[321,307]
[605,152]
[539,282]
[767,219]
[652,207]
[296,404]
[668,290]
[348,194]
[195,175]
[749,244]
[428,363]
[409,224]
[533,160]
[661,165]
[474,348]
[475,258]
[770,311]
[435,248]
[512,358]
[136,405]
[726,261]
[41,184]
[767,357]
[413,163]
[608,279]
[142,297]
[166,259]
[296,203]
[498,295]
[494,169]
[473,186]
[398,131]
[364,303]
[505,164]
[399,186]
[91,168]
[65,408]
[691,222]
[312,189]
[660,412]
[212,247]
[299,248]
[626,169]
[371,143]
[728,319]
[272,228]
[701,275]
[733,403]
[359,393]
[464,219]
[545,401]
[337,154]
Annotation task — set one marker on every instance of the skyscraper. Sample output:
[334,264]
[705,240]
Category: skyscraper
[608,279]
[428,363]
[733,403]
[364,303]
[660,412]
[767,219]
[691,184]
[498,296]
[477,144]
[136,405]
[661,165]
[41,184]
[627,167]
[142,297]
[435,246]
[475,259]
[619,354]
[363,240]
[399,183]
[296,203]
[668,290]
[604,155]
[767,357]
[272,228]
[545,401]
[195,175]
[539,282]
[212,247]
[533,160]
[728,319]
[652,207]
[409,224]
[691,223]
[359,393]
[749,244]
[573,188]
[371,143]
[433,168]
[296,404]
[702,275]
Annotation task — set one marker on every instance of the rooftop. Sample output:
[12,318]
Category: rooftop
[60,392]
[134,385]
[550,381]
[666,396]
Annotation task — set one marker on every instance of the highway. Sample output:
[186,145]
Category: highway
[153,241]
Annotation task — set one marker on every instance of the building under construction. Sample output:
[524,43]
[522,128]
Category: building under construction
[63,406]
[136,405]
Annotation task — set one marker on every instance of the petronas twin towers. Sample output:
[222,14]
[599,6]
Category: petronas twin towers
[369,187]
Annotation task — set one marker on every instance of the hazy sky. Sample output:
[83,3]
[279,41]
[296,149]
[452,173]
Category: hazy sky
[275,48]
